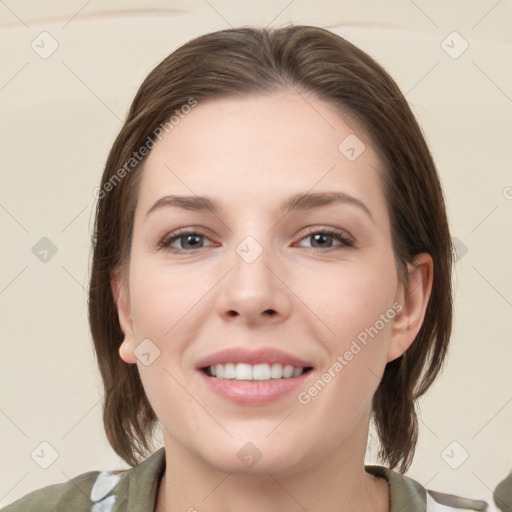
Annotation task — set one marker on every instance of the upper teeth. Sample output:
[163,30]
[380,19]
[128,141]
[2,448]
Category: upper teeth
[243,371]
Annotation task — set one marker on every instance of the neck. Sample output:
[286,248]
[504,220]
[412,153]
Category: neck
[337,482]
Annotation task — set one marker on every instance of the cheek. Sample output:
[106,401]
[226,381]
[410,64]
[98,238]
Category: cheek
[350,300]
[163,299]
[162,308]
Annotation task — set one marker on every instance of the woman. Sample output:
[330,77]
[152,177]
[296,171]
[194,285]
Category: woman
[271,271]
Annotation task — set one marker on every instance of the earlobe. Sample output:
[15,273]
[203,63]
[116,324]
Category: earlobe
[414,297]
[126,352]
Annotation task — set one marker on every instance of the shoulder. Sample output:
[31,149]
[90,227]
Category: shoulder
[408,494]
[71,495]
[99,490]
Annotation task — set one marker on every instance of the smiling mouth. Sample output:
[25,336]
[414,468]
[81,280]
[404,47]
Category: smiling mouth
[256,372]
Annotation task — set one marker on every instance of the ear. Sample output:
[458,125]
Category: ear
[122,298]
[413,297]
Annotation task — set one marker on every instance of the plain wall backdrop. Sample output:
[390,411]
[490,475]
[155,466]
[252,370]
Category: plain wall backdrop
[69,72]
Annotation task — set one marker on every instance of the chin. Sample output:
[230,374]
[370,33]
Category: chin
[256,458]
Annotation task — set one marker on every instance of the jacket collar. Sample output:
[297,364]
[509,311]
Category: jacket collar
[406,495]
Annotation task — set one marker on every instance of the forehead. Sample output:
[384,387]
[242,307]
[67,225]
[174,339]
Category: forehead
[254,150]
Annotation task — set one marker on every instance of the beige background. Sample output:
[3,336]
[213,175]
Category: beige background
[60,115]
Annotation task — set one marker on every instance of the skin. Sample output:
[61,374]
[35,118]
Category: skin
[251,154]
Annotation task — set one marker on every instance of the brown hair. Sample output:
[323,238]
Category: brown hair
[248,60]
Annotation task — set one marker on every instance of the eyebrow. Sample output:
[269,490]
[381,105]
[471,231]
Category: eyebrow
[301,201]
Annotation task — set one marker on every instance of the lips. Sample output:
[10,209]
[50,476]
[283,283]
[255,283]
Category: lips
[219,372]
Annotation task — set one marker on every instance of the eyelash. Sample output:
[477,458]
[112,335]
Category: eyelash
[165,243]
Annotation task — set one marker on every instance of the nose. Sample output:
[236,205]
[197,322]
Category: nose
[254,291]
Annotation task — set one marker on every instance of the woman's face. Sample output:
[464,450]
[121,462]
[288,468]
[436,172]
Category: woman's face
[260,284]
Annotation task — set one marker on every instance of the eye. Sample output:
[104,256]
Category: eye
[323,239]
[186,239]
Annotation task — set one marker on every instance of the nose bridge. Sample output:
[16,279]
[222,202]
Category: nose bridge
[251,275]
[253,247]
